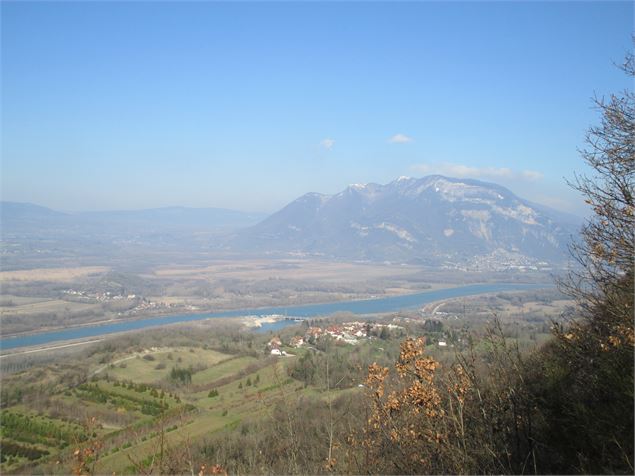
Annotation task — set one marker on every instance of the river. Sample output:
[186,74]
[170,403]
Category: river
[365,306]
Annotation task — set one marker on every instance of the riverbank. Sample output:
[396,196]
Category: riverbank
[367,306]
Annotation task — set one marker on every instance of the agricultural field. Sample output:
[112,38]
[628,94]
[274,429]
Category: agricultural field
[153,365]
[60,296]
[27,437]
[140,402]
[61,274]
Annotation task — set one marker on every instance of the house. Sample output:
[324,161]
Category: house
[274,343]
[443,343]
[313,332]
[297,341]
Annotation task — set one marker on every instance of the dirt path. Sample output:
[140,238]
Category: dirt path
[115,362]
[42,349]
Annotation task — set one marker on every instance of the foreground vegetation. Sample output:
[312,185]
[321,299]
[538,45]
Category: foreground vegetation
[167,401]
[131,404]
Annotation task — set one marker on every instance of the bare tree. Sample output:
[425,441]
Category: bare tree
[602,284]
[590,364]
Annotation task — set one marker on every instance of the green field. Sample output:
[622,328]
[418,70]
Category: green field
[235,402]
[134,405]
[153,366]
[223,369]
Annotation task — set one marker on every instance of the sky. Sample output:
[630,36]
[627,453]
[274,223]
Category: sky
[125,105]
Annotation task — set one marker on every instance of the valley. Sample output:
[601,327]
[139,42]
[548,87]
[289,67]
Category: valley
[317,238]
[51,300]
[64,270]
[157,341]
[155,400]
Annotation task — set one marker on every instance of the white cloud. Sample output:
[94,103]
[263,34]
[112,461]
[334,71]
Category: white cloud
[400,139]
[529,184]
[465,171]
[422,168]
[327,143]
[531,175]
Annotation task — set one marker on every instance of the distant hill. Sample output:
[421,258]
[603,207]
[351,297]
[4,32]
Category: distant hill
[434,220]
[176,217]
[16,212]
[29,217]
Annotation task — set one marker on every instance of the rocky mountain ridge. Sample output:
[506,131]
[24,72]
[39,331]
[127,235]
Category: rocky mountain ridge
[433,220]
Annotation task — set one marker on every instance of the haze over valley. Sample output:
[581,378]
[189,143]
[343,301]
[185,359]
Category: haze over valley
[368,241]
[317,238]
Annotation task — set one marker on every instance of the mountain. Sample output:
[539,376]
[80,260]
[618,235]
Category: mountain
[434,220]
[16,216]
[12,213]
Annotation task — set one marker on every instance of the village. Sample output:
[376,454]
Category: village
[100,297]
[129,304]
[348,333]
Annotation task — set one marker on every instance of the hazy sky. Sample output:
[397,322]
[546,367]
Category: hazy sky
[248,105]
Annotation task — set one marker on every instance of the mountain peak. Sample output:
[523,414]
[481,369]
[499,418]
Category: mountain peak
[358,186]
[434,219]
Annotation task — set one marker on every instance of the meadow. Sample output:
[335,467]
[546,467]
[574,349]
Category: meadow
[125,403]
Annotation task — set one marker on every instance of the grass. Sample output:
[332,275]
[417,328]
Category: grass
[230,407]
[119,462]
[135,368]
[237,402]
[127,392]
[222,369]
